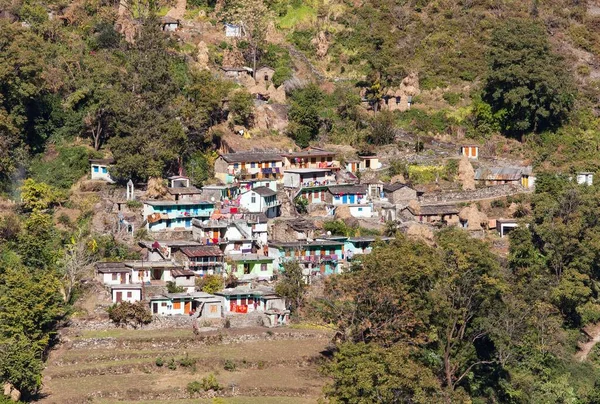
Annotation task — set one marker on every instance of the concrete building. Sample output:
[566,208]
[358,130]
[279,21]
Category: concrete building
[100,169]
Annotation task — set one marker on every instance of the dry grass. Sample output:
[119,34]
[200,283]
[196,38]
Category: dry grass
[119,366]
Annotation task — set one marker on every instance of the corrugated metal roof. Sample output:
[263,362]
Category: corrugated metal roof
[498,173]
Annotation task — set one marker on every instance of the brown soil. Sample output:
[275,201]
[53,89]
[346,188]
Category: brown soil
[281,363]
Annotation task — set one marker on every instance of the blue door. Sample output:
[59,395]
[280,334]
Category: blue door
[351,198]
[188,222]
[345,199]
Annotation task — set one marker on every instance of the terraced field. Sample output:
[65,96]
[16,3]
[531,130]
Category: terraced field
[120,366]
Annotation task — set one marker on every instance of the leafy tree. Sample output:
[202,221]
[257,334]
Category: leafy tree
[39,196]
[292,285]
[241,106]
[528,85]
[210,283]
[136,314]
[305,114]
[38,243]
[367,373]
[21,364]
[382,129]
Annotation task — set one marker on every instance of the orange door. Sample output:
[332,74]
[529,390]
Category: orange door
[187,308]
[177,305]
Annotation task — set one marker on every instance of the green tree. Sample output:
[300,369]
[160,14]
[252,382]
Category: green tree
[292,285]
[210,283]
[305,112]
[367,373]
[527,83]
[241,106]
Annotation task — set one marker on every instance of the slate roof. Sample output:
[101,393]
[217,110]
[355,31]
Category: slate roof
[435,210]
[251,157]
[184,191]
[264,191]
[111,267]
[394,187]
[348,189]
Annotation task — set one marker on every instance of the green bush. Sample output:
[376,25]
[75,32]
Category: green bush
[134,204]
[230,365]
[172,364]
[159,362]
[173,288]
[63,170]
[194,387]
[186,361]
[210,383]
[452,98]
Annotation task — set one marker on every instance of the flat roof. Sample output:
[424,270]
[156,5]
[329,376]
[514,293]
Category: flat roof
[177,203]
[308,170]
[169,243]
[127,286]
[184,191]
[249,257]
[251,157]
[102,161]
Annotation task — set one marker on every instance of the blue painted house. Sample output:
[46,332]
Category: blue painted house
[316,257]
[175,215]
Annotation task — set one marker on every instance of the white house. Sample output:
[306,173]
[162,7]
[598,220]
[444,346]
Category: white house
[198,304]
[261,200]
[246,300]
[307,177]
[126,293]
[100,169]
[160,250]
[185,279]
[504,226]
[369,163]
[232,236]
[158,272]
[585,178]
[113,273]
[233,30]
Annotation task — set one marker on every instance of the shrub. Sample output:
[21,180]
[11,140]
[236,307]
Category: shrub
[134,204]
[194,387]
[69,165]
[452,98]
[172,365]
[173,288]
[210,383]
[241,106]
[159,362]
[230,365]
[187,362]
[136,314]
[451,169]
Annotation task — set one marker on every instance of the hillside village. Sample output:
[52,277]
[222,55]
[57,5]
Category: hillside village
[251,201]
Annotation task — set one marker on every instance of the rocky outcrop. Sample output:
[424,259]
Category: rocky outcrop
[321,44]
[202,57]
[397,99]
[271,117]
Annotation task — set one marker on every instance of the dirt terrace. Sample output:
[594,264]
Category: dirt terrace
[119,366]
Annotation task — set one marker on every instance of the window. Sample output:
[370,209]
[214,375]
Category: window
[114,276]
[313,160]
[129,294]
[237,246]
[263,267]
[253,199]
[96,169]
[104,170]
[288,253]
[360,209]
[252,165]
[163,304]
[331,252]
[272,164]
[236,166]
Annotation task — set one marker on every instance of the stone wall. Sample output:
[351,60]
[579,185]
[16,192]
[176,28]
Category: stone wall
[494,192]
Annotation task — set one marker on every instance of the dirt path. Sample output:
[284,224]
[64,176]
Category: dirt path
[586,347]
